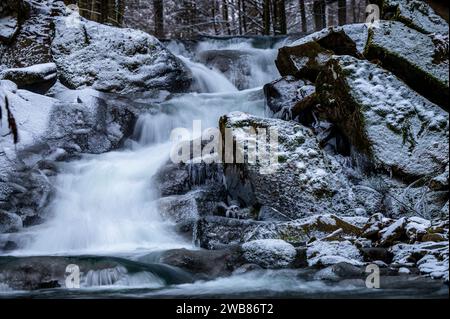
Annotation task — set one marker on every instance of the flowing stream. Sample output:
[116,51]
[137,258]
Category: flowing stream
[105,209]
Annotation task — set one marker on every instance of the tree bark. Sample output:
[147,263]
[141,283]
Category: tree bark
[266,17]
[225,16]
[320,21]
[303,16]
[158,8]
[342,12]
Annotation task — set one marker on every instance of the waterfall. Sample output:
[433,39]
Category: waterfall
[106,203]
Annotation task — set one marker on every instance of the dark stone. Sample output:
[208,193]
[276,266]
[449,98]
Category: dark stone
[209,263]
[377,253]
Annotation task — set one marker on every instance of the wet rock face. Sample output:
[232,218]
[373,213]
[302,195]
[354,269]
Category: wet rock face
[414,57]
[115,60]
[203,263]
[398,129]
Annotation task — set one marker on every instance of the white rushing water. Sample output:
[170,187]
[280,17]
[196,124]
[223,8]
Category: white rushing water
[107,203]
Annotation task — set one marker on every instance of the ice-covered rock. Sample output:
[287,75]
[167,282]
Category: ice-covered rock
[289,98]
[412,56]
[269,253]
[416,14]
[113,59]
[399,130]
[299,180]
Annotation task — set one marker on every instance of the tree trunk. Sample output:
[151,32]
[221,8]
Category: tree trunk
[225,16]
[303,16]
[158,8]
[320,21]
[282,16]
[266,17]
[342,12]
[244,16]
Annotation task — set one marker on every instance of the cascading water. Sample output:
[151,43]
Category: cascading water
[106,203]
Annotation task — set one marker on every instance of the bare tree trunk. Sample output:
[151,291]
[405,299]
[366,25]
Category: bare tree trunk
[266,17]
[240,16]
[320,21]
[303,16]
[282,16]
[225,16]
[342,12]
[244,16]
[214,16]
[158,8]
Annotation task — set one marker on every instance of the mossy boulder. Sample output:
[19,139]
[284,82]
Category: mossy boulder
[398,130]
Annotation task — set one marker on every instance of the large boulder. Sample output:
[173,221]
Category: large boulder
[414,57]
[300,179]
[113,59]
[416,14]
[397,129]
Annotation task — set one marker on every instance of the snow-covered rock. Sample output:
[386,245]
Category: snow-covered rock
[303,230]
[333,38]
[416,14]
[399,130]
[412,56]
[298,180]
[39,73]
[114,59]
[269,253]
[392,233]
[8,28]
[32,43]
[326,253]
[289,98]
[431,258]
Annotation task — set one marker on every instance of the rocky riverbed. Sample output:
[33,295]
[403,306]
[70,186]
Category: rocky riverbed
[361,179]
